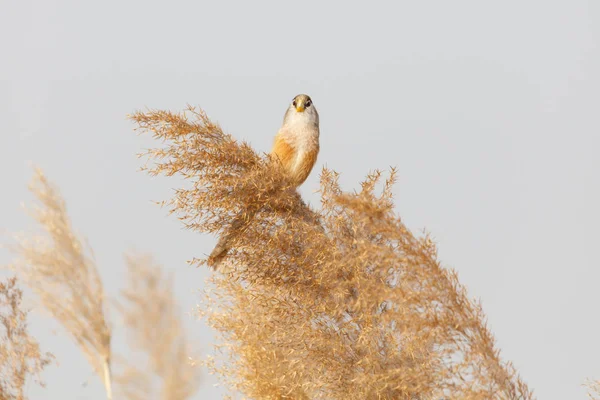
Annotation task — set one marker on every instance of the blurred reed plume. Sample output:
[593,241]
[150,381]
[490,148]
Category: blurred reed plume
[593,388]
[64,276]
[341,302]
[20,356]
[154,326]
[66,279]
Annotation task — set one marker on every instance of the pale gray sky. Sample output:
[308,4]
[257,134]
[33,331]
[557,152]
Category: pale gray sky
[488,109]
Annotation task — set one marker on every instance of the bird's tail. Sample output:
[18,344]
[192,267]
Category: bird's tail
[239,223]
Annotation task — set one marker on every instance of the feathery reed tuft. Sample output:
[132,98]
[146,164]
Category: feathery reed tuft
[154,326]
[20,356]
[64,276]
[593,388]
[343,302]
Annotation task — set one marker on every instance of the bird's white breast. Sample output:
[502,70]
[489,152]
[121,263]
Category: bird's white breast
[301,131]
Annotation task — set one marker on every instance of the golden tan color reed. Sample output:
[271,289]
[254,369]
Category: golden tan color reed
[66,279]
[63,274]
[154,326]
[20,355]
[341,302]
[593,388]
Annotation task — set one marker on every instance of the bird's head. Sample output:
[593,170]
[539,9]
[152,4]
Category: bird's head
[302,108]
[301,103]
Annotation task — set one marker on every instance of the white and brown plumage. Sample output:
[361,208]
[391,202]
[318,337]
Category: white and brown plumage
[296,146]
[297,142]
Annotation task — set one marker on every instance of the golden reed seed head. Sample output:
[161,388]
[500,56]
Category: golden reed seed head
[341,302]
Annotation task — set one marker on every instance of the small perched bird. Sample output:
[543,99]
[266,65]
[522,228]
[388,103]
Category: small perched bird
[297,142]
[296,146]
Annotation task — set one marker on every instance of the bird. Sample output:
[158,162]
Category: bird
[296,147]
[296,144]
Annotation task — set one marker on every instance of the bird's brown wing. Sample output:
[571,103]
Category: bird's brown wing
[285,152]
[287,155]
[306,165]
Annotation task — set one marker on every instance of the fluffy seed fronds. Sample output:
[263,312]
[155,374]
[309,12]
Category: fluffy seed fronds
[228,179]
[20,356]
[593,388]
[64,276]
[343,302]
[153,322]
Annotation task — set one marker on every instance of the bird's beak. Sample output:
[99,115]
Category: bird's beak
[300,108]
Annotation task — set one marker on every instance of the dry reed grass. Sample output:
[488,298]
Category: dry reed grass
[153,322]
[340,303]
[593,388]
[20,355]
[63,274]
[65,278]
[343,302]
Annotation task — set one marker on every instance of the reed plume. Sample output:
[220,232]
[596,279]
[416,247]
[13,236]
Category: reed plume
[340,302]
[20,355]
[155,329]
[64,276]
[593,387]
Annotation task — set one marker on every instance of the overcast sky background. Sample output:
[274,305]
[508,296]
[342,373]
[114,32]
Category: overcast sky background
[490,111]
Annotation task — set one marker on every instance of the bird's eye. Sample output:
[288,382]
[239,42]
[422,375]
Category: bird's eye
[294,103]
[308,103]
